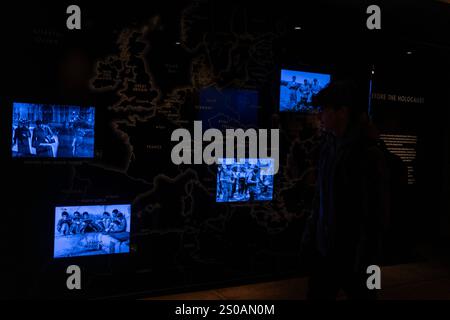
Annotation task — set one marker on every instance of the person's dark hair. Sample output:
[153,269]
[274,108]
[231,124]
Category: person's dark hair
[65,214]
[338,94]
[115,211]
[106,213]
[76,213]
[85,214]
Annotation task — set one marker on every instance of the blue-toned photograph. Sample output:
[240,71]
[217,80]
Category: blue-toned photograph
[52,131]
[297,89]
[245,180]
[92,230]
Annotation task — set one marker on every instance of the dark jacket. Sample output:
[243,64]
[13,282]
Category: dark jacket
[351,201]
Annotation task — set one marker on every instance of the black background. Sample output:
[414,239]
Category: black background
[36,50]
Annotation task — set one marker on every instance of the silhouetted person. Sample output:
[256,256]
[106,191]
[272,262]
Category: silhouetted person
[64,224]
[119,222]
[41,140]
[304,92]
[105,222]
[342,236]
[87,224]
[293,86]
[77,223]
[22,137]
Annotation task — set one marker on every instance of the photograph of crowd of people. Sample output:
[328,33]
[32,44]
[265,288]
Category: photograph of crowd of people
[52,131]
[91,230]
[246,180]
[297,89]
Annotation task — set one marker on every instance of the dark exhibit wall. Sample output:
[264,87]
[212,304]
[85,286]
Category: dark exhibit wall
[149,69]
[411,120]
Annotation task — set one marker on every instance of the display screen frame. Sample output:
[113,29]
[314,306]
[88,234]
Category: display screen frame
[81,208]
[15,103]
[286,73]
[244,191]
